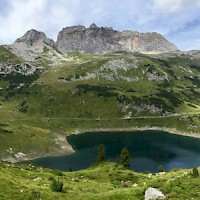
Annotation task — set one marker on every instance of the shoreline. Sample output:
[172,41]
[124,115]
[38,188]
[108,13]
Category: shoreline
[66,148]
[168,130]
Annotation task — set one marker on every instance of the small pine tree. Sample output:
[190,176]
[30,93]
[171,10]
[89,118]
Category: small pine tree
[195,172]
[125,157]
[70,169]
[101,153]
[161,168]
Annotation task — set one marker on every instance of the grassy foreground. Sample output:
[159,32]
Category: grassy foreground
[102,181]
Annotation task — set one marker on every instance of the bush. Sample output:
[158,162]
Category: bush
[56,186]
[57,173]
[51,178]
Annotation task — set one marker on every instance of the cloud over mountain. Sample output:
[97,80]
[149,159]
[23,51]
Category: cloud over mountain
[176,20]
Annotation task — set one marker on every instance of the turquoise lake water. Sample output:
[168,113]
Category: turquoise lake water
[148,150]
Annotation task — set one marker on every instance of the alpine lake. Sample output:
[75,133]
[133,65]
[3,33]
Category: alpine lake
[148,150]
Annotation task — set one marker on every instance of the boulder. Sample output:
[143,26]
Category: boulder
[37,179]
[152,193]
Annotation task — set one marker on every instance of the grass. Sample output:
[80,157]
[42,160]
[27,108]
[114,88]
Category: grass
[6,55]
[100,181]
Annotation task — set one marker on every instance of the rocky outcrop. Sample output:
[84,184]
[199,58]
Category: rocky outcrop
[90,40]
[31,45]
[102,40]
[152,193]
[22,68]
[33,37]
[193,53]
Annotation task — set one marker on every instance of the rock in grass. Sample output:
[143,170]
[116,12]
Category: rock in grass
[152,193]
[37,179]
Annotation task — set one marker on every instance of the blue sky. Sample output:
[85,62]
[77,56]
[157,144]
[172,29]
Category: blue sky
[177,20]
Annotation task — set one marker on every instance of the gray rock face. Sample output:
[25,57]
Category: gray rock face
[152,193]
[31,44]
[102,40]
[23,68]
[32,36]
[93,40]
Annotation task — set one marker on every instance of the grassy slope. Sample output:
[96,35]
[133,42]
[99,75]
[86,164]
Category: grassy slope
[32,114]
[101,181]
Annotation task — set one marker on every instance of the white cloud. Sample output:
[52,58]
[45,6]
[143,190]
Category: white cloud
[22,15]
[170,6]
[167,5]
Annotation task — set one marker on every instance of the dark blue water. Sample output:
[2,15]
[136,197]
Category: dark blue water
[148,150]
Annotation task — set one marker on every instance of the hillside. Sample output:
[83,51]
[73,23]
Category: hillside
[102,181]
[46,95]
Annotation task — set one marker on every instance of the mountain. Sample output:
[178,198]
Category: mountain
[33,37]
[30,44]
[103,40]
[46,93]
[93,40]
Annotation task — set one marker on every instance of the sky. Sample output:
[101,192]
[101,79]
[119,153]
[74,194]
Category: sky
[177,20]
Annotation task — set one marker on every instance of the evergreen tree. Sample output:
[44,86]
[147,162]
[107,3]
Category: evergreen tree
[70,169]
[125,157]
[101,153]
[195,172]
[161,168]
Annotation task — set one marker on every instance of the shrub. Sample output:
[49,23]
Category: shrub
[51,178]
[56,186]
[57,173]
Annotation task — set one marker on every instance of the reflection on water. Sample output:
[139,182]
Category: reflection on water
[148,150]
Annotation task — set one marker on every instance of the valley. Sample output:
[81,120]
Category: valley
[97,79]
[117,90]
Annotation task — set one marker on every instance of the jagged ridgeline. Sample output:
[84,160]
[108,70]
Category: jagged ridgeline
[93,78]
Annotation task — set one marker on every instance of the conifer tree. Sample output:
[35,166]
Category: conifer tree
[160,168]
[195,172]
[101,153]
[125,157]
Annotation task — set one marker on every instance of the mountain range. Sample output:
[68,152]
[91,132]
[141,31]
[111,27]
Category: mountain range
[95,40]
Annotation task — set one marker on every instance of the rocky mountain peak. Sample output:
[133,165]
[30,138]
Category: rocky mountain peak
[31,44]
[73,29]
[93,26]
[33,36]
[102,40]
[93,39]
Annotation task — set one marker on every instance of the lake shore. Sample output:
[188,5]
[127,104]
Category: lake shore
[66,148]
[169,130]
